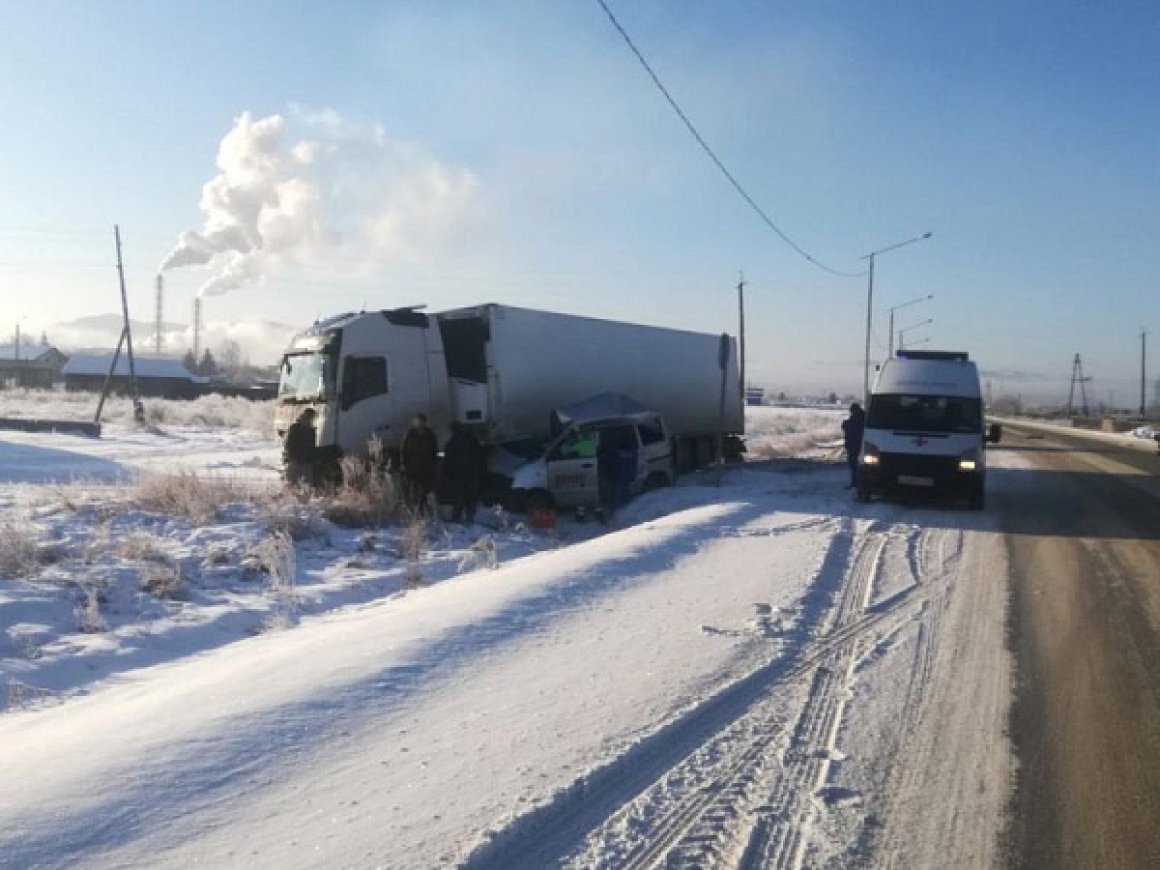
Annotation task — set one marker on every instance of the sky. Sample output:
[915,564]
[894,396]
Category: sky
[453,153]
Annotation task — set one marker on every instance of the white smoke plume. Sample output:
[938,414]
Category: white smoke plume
[342,191]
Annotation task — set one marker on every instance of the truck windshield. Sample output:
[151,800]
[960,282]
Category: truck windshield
[304,377]
[924,413]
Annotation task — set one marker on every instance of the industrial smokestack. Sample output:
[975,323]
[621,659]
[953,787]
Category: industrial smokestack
[197,328]
[160,314]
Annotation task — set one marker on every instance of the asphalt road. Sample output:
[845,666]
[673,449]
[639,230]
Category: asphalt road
[1082,524]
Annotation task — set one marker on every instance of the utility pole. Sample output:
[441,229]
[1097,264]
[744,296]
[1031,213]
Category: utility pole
[741,334]
[1143,373]
[870,309]
[125,340]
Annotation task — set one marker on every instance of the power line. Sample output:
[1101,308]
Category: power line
[713,156]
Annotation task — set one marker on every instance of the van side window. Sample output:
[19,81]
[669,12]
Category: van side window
[651,432]
[362,378]
[577,444]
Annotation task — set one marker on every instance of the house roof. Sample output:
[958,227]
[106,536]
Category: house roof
[146,366]
[29,350]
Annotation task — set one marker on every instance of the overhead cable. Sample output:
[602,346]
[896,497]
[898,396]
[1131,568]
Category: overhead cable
[765,218]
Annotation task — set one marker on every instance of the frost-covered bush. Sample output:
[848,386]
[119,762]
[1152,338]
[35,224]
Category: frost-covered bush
[227,412]
[162,580]
[778,432]
[278,560]
[197,497]
[19,552]
[367,494]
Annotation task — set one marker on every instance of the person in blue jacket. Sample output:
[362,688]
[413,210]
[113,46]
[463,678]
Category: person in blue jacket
[853,428]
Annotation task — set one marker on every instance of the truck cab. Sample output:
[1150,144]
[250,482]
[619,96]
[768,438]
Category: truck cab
[365,375]
[925,429]
[579,462]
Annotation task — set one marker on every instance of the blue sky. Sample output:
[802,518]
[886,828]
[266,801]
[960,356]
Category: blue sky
[1024,136]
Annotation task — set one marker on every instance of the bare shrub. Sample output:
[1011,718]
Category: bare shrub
[184,493]
[21,695]
[278,559]
[482,553]
[162,580]
[367,496]
[142,547]
[289,516]
[413,543]
[88,610]
[18,549]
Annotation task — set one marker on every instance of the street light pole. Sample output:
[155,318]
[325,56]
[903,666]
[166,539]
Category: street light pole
[870,309]
[926,298]
[913,326]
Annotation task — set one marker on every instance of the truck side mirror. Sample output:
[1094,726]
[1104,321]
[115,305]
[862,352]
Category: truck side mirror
[995,433]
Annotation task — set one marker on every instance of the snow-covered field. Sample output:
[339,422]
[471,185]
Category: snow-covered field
[763,672]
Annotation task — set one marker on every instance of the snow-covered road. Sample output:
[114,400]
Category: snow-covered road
[765,673]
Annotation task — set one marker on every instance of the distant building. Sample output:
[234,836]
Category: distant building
[157,377]
[30,364]
[755,395]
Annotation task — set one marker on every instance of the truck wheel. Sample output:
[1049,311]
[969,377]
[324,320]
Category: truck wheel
[863,493]
[978,500]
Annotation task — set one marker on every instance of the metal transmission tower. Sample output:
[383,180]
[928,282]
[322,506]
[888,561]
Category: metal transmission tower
[1077,377]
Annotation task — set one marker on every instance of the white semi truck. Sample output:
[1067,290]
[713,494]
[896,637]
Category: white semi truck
[500,370]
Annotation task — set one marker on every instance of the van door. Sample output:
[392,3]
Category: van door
[655,465]
[572,471]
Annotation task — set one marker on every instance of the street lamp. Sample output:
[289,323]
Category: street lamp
[870,309]
[911,328]
[926,298]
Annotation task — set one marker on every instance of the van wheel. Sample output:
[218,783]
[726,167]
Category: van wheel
[656,480]
[978,500]
[863,493]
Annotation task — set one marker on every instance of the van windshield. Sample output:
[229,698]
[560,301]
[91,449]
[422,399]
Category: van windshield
[925,413]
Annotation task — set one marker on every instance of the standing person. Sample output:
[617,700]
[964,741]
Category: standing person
[463,467]
[852,429]
[420,453]
[300,450]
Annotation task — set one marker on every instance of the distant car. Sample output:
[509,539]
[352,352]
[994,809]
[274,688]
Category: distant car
[569,472]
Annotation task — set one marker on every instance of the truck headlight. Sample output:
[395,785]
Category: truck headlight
[969,461]
[869,454]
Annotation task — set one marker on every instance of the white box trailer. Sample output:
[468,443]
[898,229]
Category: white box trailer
[501,370]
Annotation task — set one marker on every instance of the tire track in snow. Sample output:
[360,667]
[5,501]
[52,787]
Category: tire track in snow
[781,835]
[736,780]
[747,796]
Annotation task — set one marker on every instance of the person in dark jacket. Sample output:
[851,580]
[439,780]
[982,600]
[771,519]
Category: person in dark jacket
[853,427]
[300,450]
[419,453]
[463,468]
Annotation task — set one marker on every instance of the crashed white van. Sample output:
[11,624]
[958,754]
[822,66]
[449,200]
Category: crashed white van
[924,428]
